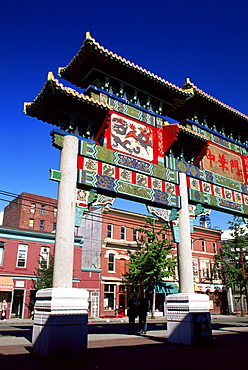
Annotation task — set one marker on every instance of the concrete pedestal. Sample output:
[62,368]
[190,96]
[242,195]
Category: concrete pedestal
[181,324]
[60,322]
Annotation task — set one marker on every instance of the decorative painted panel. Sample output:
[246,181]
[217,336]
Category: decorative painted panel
[131,183]
[204,175]
[245,167]
[217,197]
[96,152]
[220,141]
[132,138]
[224,162]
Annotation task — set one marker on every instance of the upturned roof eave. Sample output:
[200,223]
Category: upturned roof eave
[51,88]
[200,95]
[91,48]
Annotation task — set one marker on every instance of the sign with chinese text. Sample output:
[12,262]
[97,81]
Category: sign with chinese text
[224,162]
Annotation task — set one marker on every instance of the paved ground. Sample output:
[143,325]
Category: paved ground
[114,349]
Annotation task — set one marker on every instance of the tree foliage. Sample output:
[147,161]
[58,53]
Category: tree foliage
[150,263]
[233,255]
[44,273]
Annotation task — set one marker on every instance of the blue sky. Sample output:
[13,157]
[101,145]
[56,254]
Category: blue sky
[203,40]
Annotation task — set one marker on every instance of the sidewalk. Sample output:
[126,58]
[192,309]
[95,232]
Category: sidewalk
[128,352]
[15,321]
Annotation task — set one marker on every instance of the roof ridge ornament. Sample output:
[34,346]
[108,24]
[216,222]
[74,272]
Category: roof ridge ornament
[50,76]
[88,35]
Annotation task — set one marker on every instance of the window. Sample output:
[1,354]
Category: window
[55,212]
[109,230]
[54,226]
[195,268]
[109,296]
[22,255]
[111,262]
[214,247]
[123,233]
[31,223]
[192,244]
[216,270]
[135,235]
[44,257]
[203,246]
[42,224]
[1,252]
[32,208]
[42,209]
[205,270]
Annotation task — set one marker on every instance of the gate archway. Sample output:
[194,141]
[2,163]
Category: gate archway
[128,147]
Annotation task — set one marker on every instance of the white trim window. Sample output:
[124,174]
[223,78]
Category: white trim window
[109,231]
[1,252]
[22,255]
[109,296]
[123,233]
[42,209]
[135,235]
[111,262]
[44,257]
[31,223]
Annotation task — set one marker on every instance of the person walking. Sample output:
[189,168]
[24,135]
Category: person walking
[4,310]
[142,313]
[132,313]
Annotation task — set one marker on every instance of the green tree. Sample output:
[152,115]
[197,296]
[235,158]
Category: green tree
[233,258]
[151,262]
[44,273]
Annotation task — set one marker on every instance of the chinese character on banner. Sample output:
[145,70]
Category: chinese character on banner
[224,163]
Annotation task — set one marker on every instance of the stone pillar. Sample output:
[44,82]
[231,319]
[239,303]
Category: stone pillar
[65,225]
[185,267]
[60,320]
[184,308]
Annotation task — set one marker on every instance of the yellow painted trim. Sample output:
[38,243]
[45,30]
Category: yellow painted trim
[25,106]
[50,76]
[88,35]
[190,90]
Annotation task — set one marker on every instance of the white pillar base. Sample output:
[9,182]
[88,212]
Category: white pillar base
[181,321]
[60,322]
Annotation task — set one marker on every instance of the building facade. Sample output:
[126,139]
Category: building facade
[119,239]
[31,211]
[103,244]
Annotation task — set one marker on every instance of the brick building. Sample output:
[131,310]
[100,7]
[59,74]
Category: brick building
[20,253]
[33,212]
[119,238]
[104,242]
[28,231]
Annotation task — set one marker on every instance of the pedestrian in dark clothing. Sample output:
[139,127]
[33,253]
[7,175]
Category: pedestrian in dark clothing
[132,313]
[142,313]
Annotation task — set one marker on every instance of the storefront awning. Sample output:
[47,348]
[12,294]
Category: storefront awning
[165,287]
[197,289]
[6,284]
[209,288]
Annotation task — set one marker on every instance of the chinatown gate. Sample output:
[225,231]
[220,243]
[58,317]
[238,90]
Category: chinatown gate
[115,140]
